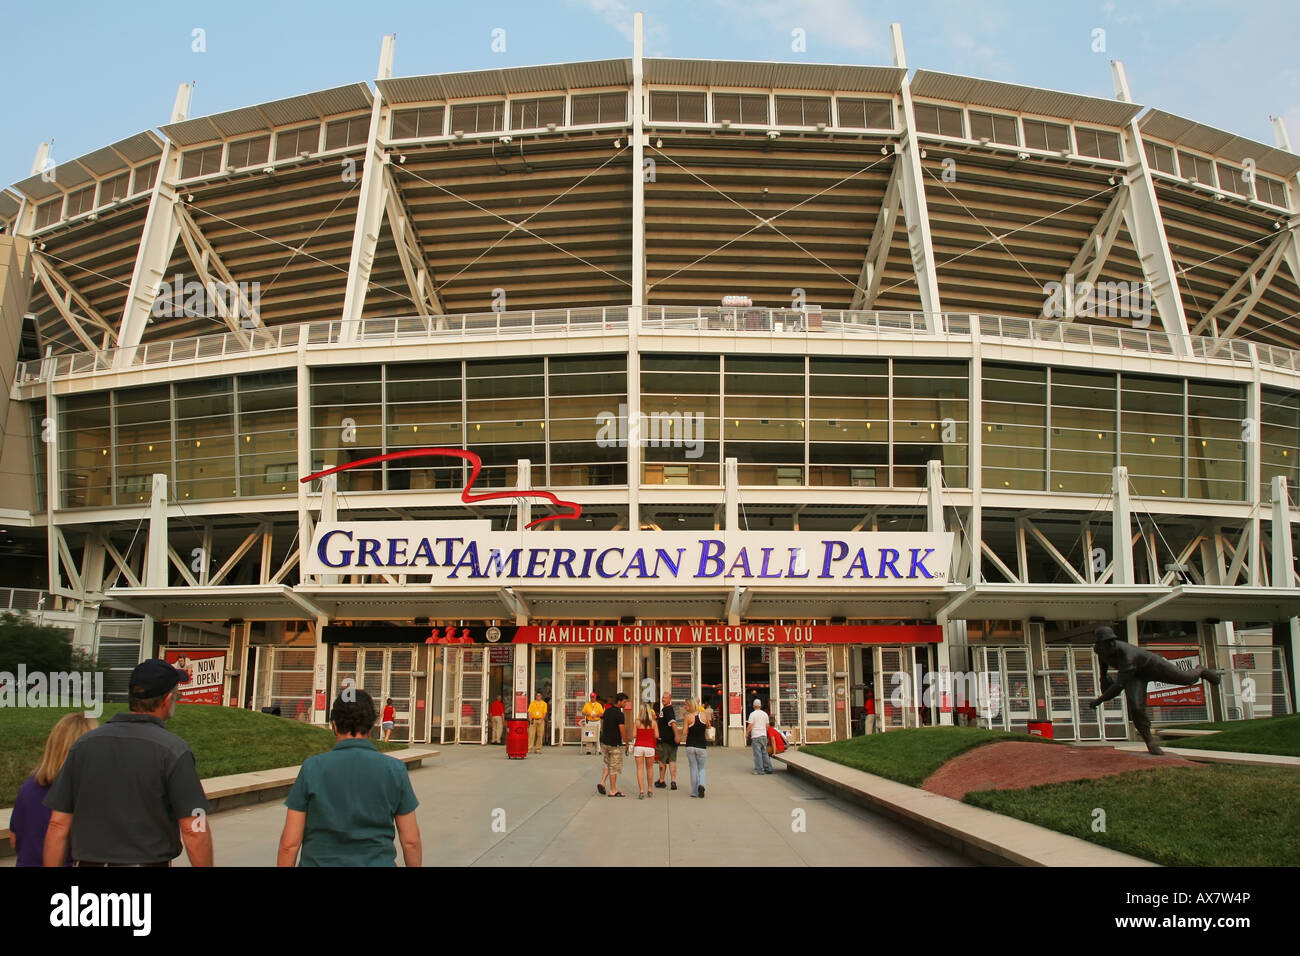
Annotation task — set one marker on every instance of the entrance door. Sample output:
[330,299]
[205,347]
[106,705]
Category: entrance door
[465,688]
[816,683]
[712,689]
[785,689]
[679,675]
[1008,687]
[1072,681]
[893,686]
[575,679]
[382,672]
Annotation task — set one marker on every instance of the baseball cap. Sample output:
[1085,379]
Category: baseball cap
[757,702]
[154,678]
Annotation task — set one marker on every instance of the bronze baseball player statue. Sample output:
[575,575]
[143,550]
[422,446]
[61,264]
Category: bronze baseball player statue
[1137,666]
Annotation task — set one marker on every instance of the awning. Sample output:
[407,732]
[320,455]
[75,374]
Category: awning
[1192,602]
[260,602]
[1051,602]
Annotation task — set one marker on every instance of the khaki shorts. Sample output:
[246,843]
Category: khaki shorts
[667,753]
[613,758]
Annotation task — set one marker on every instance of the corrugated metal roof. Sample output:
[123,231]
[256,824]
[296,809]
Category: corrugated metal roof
[819,77]
[1181,131]
[508,82]
[108,159]
[1022,99]
[9,204]
[353,98]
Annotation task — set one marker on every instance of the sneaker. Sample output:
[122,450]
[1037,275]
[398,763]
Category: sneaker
[674,785]
[756,773]
[640,796]
[660,784]
[701,793]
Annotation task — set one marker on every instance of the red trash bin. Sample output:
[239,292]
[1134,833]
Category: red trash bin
[1039,728]
[516,738]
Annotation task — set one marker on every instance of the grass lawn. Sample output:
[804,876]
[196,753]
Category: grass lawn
[224,740]
[1268,735]
[909,756]
[1209,816]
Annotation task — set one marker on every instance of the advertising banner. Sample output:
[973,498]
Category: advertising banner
[1177,695]
[763,635]
[457,554]
[206,672]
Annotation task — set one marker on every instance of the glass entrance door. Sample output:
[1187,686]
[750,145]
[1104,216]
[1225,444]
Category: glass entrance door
[464,708]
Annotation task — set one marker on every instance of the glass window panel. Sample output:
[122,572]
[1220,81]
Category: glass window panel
[205,439]
[591,108]
[268,433]
[85,443]
[864,114]
[142,440]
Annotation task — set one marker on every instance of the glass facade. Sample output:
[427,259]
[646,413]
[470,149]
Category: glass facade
[797,421]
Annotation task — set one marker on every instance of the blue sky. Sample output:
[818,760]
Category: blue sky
[87,73]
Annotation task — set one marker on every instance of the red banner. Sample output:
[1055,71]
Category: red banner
[1177,695]
[760,634]
[205,675]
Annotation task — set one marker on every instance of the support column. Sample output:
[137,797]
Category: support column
[636,312]
[1254,479]
[1147,228]
[915,212]
[934,523]
[370,210]
[155,568]
[731,494]
[161,232]
[1121,539]
[734,721]
[1284,577]
[523,482]
[321,672]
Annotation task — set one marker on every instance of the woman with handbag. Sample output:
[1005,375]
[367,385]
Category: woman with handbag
[697,728]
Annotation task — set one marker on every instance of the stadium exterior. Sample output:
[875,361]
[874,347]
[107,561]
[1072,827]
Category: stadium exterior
[995,364]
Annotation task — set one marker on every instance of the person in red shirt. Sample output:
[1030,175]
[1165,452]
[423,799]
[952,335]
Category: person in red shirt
[871,712]
[389,718]
[497,711]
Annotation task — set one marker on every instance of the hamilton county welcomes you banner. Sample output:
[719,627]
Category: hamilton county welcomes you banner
[468,553]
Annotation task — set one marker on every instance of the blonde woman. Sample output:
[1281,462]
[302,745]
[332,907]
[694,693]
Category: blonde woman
[31,818]
[697,724]
[643,750]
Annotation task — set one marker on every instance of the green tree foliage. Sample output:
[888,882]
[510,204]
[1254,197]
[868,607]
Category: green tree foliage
[39,648]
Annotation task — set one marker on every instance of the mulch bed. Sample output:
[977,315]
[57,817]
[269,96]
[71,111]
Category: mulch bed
[1012,765]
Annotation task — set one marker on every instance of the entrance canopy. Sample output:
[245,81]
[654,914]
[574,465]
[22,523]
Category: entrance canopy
[1191,602]
[1051,602]
[259,602]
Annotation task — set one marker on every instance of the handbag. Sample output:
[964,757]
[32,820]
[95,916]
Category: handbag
[710,734]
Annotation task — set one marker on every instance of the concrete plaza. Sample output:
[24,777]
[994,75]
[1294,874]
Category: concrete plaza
[552,815]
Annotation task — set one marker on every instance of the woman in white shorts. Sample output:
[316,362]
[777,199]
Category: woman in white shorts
[643,750]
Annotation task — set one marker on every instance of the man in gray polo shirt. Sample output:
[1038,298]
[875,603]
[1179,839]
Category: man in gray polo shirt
[128,794]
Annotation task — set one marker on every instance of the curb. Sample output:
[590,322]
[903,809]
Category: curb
[982,835]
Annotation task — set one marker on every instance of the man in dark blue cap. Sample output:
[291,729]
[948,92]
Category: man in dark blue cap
[128,794]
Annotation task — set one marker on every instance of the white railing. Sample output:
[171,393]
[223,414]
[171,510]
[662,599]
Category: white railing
[28,599]
[777,322]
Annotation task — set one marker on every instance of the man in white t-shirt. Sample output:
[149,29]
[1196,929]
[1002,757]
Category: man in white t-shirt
[756,731]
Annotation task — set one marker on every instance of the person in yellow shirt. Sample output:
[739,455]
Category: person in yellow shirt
[536,723]
[592,711]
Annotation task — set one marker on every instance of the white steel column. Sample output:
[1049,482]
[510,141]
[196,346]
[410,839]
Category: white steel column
[1284,569]
[1121,538]
[915,212]
[1254,493]
[942,653]
[155,566]
[637,310]
[523,482]
[370,210]
[157,242]
[1147,228]
[305,526]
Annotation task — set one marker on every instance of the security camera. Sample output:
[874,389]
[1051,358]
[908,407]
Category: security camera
[505,139]
[773,134]
[401,158]
[268,170]
[1022,155]
[659,144]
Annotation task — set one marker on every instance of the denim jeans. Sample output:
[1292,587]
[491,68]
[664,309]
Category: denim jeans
[762,762]
[695,757]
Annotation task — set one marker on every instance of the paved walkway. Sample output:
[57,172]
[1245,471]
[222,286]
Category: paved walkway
[553,816]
